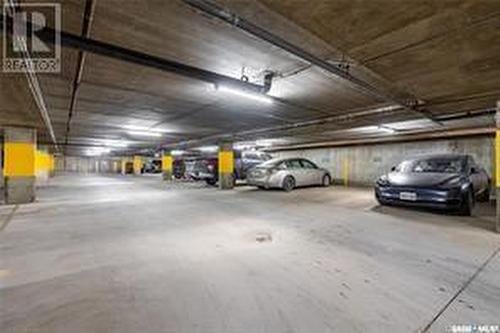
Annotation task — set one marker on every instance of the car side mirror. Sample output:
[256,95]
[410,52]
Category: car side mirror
[393,169]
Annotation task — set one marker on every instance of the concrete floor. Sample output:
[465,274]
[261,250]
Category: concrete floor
[132,254]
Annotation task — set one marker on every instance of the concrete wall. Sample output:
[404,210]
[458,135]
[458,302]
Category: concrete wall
[365,163]
[87,164]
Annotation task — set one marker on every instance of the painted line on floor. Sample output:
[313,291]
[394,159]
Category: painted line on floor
[9,218]
[5,273]
[462,289]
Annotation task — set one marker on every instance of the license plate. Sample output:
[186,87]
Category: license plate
[408,196]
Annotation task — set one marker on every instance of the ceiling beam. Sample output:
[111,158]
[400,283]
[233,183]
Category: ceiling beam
[124,54]
[323,121]
[397,138]
[287,127]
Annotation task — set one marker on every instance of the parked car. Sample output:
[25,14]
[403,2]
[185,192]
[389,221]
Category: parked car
[288,174]
[209,170]
[153,166]
[179,169]
[243,162]
[452,182]
[196,169]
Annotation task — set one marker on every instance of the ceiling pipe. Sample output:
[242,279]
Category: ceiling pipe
[215,11]
[468,114]
[123,54]
[88,16]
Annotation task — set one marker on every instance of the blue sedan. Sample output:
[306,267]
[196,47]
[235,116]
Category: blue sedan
[452,182]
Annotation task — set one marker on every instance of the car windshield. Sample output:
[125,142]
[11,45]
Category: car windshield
[271,163]
[436,165]
[258,156]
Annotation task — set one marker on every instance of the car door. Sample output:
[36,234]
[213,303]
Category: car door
[295,169]
[311,172]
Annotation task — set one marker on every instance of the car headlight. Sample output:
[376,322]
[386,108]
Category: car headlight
[383,181]
[454,182]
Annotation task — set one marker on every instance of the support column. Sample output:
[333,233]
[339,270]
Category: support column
[497,167]
[116,167]
[226,166]
[137,165]
[124,166]
[52,165]
[167,164]
[19,164]
[345,171]
[42,165]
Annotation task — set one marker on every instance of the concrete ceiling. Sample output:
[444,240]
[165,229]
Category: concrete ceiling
[444,53]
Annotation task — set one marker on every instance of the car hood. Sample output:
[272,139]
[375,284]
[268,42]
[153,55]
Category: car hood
[420,179]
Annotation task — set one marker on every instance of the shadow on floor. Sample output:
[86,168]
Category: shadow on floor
[483,215]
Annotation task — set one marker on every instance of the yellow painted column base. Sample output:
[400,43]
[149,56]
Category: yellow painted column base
[19,189]
[226,167]
[137,165]
[167,167]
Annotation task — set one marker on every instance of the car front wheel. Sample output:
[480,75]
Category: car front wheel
[485,196]
[326,181]
[211,181]
[467,204]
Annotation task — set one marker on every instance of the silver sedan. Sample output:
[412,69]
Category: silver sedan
[288,174]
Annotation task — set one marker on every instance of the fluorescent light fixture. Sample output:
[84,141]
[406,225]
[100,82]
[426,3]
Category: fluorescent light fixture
[144,133]
[208,149]
[96,151]
[145,129]
[243,146]
[264,143]
[365,129]
[387,108]
[246,94]
[114,143]
[269,142]
[412,124]
[177,152]
[387,129]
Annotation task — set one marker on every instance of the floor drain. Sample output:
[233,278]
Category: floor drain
[262,237]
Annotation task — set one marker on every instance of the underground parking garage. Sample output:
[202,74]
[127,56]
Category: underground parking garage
[250,166]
